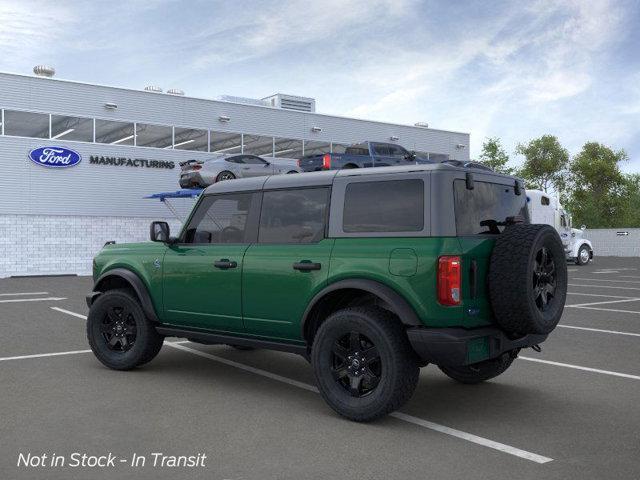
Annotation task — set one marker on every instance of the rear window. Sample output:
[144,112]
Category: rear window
[485,203]
[388,206]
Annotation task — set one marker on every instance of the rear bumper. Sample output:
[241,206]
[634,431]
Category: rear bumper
[191,179]
[454,347]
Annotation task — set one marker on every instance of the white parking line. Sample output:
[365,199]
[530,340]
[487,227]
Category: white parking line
[604,286]
[606,280]
[628,276]
[579,367]
[596,295]
[23,293]
[62,310]
[485,442]
[610,310]
[41,355]
[600,330]
[48,299]
[606,301]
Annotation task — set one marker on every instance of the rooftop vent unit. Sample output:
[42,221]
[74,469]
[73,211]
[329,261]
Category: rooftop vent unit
[244,100]
[153,88]
[44,71]
[292,102]
[175,91]
[422,124]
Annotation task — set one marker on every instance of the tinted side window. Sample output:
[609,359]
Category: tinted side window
[381,149]
[486,202]
[253,160]
[397,151]
[544,200]
[293,216]
[226,218]
[238,159]
[388,206]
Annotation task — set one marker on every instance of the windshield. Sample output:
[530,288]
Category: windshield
[485,209]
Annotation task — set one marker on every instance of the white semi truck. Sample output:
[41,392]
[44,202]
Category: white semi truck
[544,208]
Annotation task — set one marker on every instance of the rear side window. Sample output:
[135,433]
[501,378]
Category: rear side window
[387,206]
[293,216]
[477,209]
[544,200]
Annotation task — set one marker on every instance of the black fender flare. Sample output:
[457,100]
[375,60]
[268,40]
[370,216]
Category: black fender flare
[399,305]
[135,282]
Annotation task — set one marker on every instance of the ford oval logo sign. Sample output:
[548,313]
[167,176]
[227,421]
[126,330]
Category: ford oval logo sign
[56,157]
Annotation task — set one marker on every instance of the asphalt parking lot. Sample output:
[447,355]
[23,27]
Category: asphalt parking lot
[571,411]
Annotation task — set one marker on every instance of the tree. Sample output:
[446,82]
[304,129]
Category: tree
[631,215]
[494,156]
[600,193]
[545,164]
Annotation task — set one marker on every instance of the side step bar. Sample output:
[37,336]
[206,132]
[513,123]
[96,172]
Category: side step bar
[210,338]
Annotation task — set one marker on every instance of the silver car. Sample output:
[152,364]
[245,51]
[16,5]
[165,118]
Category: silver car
[202,173]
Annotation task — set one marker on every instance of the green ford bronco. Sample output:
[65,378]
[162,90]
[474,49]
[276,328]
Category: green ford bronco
[369,274]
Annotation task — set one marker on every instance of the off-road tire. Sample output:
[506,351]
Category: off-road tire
[148,341]
[479,372]
[398,363]
[579,256]
[513,277]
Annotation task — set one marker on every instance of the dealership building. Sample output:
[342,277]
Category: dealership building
[127,144]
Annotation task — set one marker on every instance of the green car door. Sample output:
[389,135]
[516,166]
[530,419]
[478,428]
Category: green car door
[202,274]
[288,264]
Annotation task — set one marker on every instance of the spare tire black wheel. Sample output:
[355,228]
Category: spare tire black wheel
[528,279]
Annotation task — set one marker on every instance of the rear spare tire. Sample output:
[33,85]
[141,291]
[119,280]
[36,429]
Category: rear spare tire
[528,279]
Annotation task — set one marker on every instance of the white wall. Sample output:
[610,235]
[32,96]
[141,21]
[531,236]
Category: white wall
[607,242]
[53,244]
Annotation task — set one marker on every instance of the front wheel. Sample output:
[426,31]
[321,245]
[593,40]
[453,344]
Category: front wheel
[363,363]
[583,255]
[480,372]
[119,333]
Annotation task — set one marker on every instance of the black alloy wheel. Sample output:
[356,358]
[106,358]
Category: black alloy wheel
[544,279]
[118,328]
[118,331]
[356,364]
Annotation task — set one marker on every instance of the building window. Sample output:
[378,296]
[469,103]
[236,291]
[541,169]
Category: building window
[293,216]
[287,148]
[190,139]
[26,124]
[114,133]
[225,142]
[72,128]
[312,147]
[157,136]
[544,200]
[258,145]
[399,206]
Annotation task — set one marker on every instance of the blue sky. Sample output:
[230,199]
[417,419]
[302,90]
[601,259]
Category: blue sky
[515,70]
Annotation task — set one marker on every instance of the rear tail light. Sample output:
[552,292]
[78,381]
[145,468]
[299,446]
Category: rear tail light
[196,167]
[449,280]
[326,161]
[298,162]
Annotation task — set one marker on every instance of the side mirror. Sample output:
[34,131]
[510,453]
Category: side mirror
[159,232]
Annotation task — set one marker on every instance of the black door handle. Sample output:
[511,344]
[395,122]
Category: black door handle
[225,263]
[306,266]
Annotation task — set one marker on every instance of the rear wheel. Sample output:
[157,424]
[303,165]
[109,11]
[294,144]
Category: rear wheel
[583,255]
[363,363]
[479,372]
[225,175]
[119,333]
